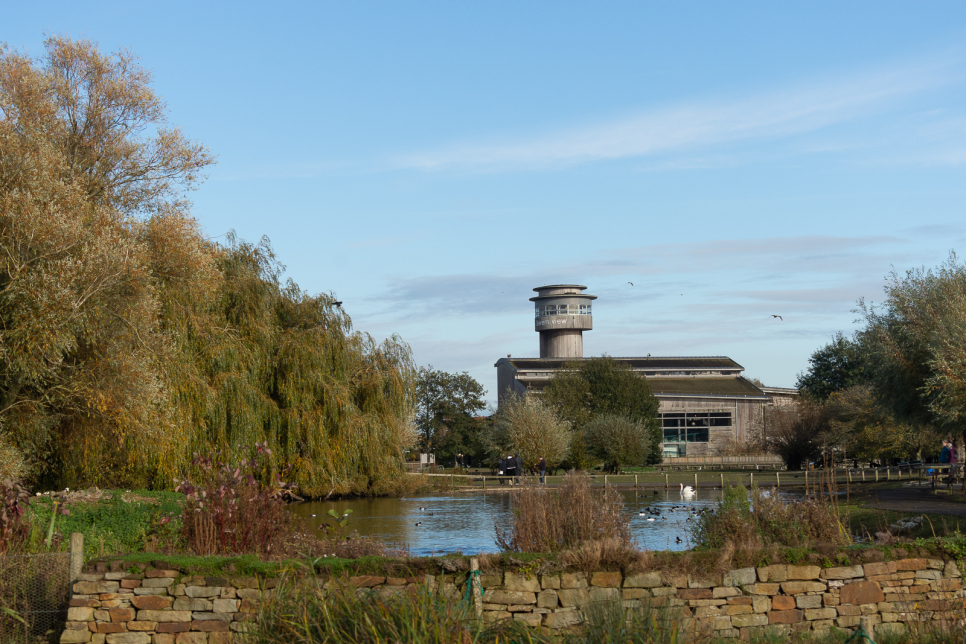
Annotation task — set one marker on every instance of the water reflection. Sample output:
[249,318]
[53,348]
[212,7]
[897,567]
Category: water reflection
[465,522]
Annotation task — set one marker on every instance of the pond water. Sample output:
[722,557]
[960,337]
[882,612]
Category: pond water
[442,523]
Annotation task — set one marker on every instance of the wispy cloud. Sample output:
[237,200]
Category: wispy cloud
[687,127]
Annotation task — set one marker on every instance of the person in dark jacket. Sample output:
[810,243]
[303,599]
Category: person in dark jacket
[501,469]
[511,467]
[542,466]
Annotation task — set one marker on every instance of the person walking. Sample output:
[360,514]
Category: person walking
[953,462]
[511,467]
[542,466]
[501,469]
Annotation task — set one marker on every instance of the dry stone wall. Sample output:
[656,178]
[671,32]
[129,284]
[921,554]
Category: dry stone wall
[161,606]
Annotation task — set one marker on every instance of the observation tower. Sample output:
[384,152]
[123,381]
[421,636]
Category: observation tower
[562,313]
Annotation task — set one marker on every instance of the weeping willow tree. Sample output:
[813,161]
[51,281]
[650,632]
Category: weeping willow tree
[128,341]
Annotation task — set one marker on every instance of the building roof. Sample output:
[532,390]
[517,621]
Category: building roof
[646,363]
[704,387]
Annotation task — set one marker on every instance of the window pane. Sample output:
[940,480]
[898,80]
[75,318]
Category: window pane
[721,422]
[670,435]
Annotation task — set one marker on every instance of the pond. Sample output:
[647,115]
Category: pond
[464,522]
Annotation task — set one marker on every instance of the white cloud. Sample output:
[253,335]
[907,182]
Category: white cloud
[686,127]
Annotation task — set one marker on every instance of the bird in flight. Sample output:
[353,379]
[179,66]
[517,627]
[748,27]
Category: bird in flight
[339,304]
[631,283]
[779,317]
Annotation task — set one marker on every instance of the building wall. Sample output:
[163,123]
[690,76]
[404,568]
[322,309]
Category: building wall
[746,418]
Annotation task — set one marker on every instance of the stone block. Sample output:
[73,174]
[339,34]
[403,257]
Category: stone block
[573,580]
[761,603]
[573,597]
[802,572]
[724,591]
[496,616]
[220,638]
[707,584]
[174,627]
[782,602]
[252,593]
[664,592]
[141,626]
[162,638]
[677,581]
[191,638]
[522,583]
[820,613]
[879,568]
[151,602]
[164,616]
[121,614]
[109,627]
[530,619]
[95,587]
[738,610]
[75,637]
[204,591]
[933,575]
[128,584]
[599,594]
[799,587]
[911,564]
[562,619]
[849,611]
[949,585]
[155,574]
[150,591]
[635,593]
[861,592]
[550,582]
[527,608]
[643,580]
[606,579]
[486,581]
[225,605]
[950,569]
[547,599]
[695,593]
[80,614]
[510,597]
[748,621]
[773,573]
[808,601]
[763,589]
[848,621]
[187,603]
[210,626]
[128,638]
[224,617]
[844,572]
[721,623]
[159,582]
[785,617]
[740,577]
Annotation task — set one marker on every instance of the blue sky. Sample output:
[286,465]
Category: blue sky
[430,163]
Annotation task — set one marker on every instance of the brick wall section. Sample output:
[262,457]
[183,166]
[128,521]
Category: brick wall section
[164,607]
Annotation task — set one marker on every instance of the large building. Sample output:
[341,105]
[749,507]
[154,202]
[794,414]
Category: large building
[706,406]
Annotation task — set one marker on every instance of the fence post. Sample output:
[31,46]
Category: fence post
[722,480]
[752,482]
[665,480]
[863,475]
[877,475]
[605,481]
[475,585]
[888,473]
[76,556]
[484,483]
[635,481]
[778,479]
[695,482]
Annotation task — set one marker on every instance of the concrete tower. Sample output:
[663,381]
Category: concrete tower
[562,313]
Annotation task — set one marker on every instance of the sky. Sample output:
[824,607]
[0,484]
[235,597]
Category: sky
[430,163]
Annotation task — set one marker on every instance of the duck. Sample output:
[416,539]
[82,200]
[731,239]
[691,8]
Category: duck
[650,518]
[422,508]
[678,540]
[419,523]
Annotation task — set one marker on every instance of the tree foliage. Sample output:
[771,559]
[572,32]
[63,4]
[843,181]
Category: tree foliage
[128,340]
[618,440]
[530,428]
[834,367]
[446,404]
[588,388]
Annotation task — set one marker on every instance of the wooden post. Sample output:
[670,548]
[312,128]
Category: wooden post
[452,482]
[888,473]
[778,479]
[722,480]
[695,482]
[665,480]
[877,475]
[76,556]
[635,481]
[863,475]
[751,484]
[848,474]
[605,481]
[484,484]
[475,586]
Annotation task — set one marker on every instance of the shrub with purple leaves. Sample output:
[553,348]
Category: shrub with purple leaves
[229,510]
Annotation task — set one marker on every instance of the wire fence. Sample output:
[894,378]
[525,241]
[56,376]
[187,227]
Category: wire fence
[35,593]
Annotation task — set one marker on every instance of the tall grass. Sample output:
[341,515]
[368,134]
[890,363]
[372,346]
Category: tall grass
[762,518]
[547,520]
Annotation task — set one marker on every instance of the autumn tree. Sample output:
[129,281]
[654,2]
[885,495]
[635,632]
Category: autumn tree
[618,441]
[587,388]
[529,427]
[834,367]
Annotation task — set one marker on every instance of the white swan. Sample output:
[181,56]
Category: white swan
[687,490]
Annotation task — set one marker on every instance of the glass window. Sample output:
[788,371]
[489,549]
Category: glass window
[670,434]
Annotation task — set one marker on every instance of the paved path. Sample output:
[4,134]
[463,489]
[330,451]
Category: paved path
[914,500]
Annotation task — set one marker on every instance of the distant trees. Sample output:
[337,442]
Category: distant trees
[617,440]
[834,367]
[128,340]
[530,428]
[446,405]
[588,388]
